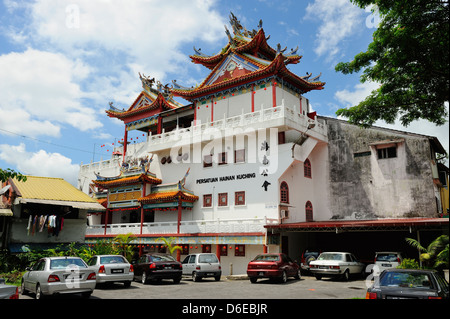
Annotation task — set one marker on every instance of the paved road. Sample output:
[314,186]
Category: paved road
[305,288]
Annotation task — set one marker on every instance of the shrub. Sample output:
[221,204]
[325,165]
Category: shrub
[408,263]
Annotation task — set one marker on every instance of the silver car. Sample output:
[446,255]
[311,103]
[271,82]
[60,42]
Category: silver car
[112,268]
[200,266]
[59,275]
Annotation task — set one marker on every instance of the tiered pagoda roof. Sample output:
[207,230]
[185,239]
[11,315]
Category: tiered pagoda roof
[246,58]
[150,100]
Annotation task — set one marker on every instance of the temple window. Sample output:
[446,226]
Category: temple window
[284,193]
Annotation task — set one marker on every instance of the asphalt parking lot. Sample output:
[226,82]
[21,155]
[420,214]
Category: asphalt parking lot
[305,288]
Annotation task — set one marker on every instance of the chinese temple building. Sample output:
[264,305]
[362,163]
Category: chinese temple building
[245,158]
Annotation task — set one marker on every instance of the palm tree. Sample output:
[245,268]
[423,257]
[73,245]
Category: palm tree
[169,243]
[436,254]
[124,241]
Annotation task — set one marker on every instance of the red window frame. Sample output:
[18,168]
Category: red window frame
[239,156]
[206,248]
[307,168]
[223,250]
[236,198]
[222,158]
[207,161]
[205,200]
[309,211]
[284,193]
[221,201]
[239,250]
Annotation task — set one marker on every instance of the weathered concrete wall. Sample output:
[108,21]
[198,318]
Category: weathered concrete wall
[366,187]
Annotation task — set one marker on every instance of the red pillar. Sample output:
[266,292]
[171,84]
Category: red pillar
[125,140]
[274,93]
[179,214]
[159,129]
[265,249]
[253,98]
[218,252]
[212,110]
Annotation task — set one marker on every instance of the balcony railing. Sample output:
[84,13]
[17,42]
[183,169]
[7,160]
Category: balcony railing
[296,120]
[250,225]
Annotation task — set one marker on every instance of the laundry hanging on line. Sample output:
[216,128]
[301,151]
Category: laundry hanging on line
[53,223]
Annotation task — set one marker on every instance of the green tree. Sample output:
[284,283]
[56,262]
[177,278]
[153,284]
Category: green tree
[124,241]
[409,58]
[169,243]
[436,254]
[9,173]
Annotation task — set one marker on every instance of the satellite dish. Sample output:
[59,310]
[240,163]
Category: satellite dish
[4,189]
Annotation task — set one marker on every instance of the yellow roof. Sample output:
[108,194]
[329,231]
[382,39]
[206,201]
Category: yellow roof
[49,188]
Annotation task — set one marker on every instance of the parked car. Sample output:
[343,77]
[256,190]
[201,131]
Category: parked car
[157,267]
[8,291]
[273,266]
[112,268]
[308,256]
[201,266]
[386,260]
[59,275]
[336,264]
[408,284]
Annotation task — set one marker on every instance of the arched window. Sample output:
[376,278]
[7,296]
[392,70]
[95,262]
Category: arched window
[309,211]
[307,168]
[284,193]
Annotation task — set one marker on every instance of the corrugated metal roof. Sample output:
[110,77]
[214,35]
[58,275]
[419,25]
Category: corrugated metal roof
[49,188]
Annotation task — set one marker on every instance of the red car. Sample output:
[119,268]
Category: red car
[278,266]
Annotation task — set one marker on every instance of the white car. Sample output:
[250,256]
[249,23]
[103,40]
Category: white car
[336,264]
[386,260]
[59,275]
[112,268]
[203,265]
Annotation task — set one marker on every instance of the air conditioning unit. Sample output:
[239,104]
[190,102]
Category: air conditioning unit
[284,213]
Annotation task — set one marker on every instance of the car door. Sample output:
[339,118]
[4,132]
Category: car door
[186,267]
[34,274]
[352,264]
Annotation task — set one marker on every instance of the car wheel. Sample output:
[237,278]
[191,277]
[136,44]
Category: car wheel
[23,291]
[217,278]
[318,277]
[284,277]
[144,278]
[346,275]
[253,279]
[39,294]
[127,284]
[195,277]
[176,280]
[298,276]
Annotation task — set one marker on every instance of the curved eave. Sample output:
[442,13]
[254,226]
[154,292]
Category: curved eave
[160,101]
[277,67]
[128,180]
[168,197]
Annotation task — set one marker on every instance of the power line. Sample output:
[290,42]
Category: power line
[50,143]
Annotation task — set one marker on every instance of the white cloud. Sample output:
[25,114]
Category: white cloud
[39,92]
[147,33]
[338,20]
[40,163]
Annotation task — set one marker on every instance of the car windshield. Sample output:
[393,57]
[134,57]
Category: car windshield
[330,256]
[387,257]
[407,280]
[267,258]
[66,262]
[162,258]
[112,260]
[208,259]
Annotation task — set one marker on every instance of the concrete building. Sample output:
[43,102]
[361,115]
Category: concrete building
[246,168]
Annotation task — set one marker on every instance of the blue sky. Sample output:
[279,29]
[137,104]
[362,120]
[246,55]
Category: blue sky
[62,62]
